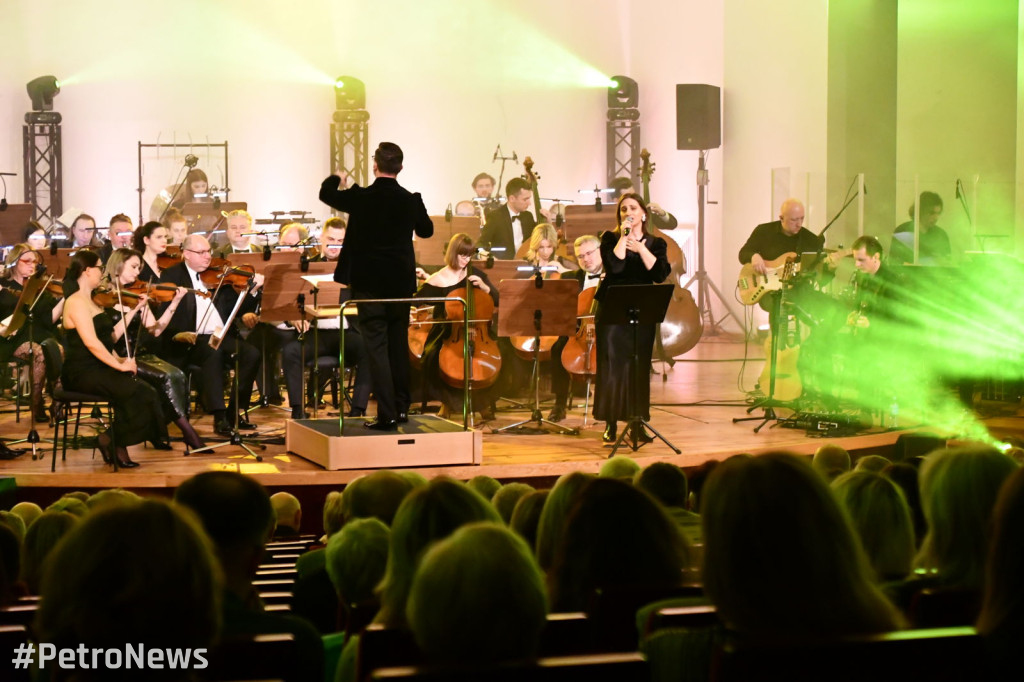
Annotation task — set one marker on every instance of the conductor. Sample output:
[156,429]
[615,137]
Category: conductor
[378,263]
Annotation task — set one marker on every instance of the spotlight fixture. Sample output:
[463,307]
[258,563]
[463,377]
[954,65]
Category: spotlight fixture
[349,94]
[623,93]
[41,91]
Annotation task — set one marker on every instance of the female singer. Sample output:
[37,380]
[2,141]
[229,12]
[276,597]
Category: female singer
[92,368]
[543,242]
[150,241]
[122,270]
[21,264]
[452,276]
[631,256]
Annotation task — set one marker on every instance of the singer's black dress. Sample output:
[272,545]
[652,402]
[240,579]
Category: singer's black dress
[615,341]
[138,416]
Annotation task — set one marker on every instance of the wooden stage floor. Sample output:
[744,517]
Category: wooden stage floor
[693,408]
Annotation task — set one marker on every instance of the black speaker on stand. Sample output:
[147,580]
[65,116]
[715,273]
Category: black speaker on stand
[699,127]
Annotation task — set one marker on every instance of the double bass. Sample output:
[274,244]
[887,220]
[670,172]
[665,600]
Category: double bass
[683,326]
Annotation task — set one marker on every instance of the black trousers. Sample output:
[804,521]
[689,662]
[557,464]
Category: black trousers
[385,330]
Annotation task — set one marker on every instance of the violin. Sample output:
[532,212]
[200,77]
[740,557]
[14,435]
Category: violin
[580,353]
[221,271]
[484,356]
[55,287]
[169,258]
[108,298]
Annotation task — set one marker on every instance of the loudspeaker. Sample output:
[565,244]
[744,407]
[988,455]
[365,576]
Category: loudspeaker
[698,116]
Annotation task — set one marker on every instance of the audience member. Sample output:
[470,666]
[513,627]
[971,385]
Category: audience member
[15,523]
[357,557]
[40,539]
[697,477]
[526,516]
[112,497]
[904,474]
[831,460]
[142,574]
[876,464]
[70,504]
[478,597]
[287,515]
[376,495]
[485,485]
[28,511]
[507,497]
[10,565]
[667,484]
[780,557]
[552,518]
[881,518]
[615,536]
[619,466]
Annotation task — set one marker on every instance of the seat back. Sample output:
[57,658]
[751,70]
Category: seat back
[624,667]
[255,657]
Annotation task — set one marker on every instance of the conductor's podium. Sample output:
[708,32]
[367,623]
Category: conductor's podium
[425,440]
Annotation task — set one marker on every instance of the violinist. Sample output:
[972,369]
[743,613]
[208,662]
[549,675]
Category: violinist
[442,283]
[237,229]
[119,236]
[631,256]
[588,252]
[121,271]
[378,262]
[543,242]
[509,225]
[177,227]
[186,340]
[91,367]
[150,240]
[83,232]
[328,338]
[22,263]
[35,235]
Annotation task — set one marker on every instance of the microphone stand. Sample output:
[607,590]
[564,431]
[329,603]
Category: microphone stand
[178,185]
[501,175]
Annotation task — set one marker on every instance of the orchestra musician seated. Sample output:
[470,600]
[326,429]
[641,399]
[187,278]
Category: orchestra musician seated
[119,236]
[177,226]
[238,230]
[197,319]
[151,241]
[83,232]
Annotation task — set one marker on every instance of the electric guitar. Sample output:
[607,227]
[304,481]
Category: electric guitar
[752,286]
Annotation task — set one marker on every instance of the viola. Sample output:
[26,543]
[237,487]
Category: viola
[580,353]
[222,271]
[484,356]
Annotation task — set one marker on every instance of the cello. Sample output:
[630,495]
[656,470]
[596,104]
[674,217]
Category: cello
[484,356]
[580,353]
[683,326]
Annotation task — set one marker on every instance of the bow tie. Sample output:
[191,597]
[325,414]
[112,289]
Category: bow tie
[597,276]
[515,217]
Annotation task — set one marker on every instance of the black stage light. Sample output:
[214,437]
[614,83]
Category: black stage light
[623,94]
[41,91]
[349,93]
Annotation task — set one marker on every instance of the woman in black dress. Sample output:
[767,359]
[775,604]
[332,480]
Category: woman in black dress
[21,264]
[631,256]
[442,283]
[91,367]
[151,241]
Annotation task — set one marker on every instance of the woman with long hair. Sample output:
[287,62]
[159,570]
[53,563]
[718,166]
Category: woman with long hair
[150,241]
[143,329]
[631,255]
[22,263]
[92,367]
[543,244]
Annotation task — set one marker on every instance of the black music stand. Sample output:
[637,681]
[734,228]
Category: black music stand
[24,313]
[636,304]
[537,307]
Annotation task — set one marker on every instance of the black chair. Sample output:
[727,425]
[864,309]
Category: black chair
[73,401]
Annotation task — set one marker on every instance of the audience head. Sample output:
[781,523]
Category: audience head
[28,511]
[334,513]
[875,464]
[71,505]
[1003,601]
[665,482]
[507,497]
[958,491]
[112,497]
[356,558]
[619,466]
[881,519]
[485,485]
[698,477]
[427,514]
[615,536]
[376,495]
[552,518]
[40,539]
[142,573]
[15,523]
[831,460]
[780,556]
[526,516]
[478,597]
[287,511]
[10,564]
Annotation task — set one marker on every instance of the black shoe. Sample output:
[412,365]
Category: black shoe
[641,437]
[300,413]
[403,418]
[610,433]
[378,424]
[275,400]
[124,461]
[244,425]
[556,414]
[222,427]
[161,445]
[356,412]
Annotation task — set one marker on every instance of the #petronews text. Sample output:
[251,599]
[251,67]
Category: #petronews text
[134,656]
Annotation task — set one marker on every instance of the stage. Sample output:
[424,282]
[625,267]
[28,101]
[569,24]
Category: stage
[692,407]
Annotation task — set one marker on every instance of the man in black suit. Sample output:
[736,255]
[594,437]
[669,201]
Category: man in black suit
[378,262]
[187,337]
[510,225]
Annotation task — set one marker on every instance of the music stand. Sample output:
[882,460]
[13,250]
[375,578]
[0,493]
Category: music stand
[205,217]
[260,263]
[24,312]
[498,270]
[585,219]
[537,307]
[636,304]
[12,223]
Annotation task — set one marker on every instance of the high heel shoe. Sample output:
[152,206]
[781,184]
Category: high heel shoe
[161,445]
[611,430]
[124,461]
[189,435]
[103,445]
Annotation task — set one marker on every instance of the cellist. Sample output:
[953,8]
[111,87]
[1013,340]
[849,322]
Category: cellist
[451,277]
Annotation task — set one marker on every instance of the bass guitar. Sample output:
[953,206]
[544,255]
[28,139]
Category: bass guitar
[753,286]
